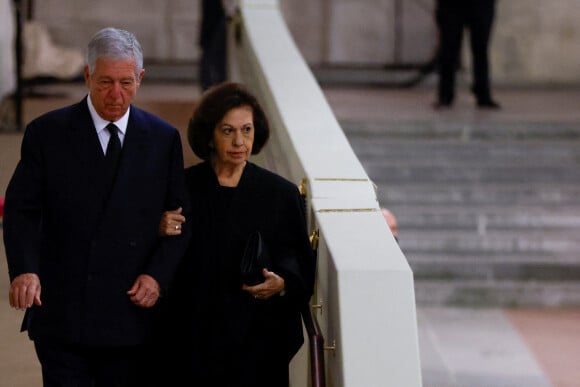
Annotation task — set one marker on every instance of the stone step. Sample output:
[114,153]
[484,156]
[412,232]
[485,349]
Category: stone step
[444,153]
[481,222]
[471,173]
[469,130]
[485,216]
[498,267]
[484,293]
[398,194]
[468,242]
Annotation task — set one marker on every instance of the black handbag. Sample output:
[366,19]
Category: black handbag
[255,258]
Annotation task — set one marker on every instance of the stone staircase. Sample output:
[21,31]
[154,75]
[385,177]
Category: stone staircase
[489,215]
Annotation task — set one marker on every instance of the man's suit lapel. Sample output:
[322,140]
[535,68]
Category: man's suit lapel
[85,146]
[84,140]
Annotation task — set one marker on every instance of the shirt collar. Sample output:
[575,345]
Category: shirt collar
[100,123]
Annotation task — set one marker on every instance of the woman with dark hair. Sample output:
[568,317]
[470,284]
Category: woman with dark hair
[237,334]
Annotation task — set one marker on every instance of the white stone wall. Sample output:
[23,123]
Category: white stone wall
[537,41]
[167,30]
[534,41]
[362,32]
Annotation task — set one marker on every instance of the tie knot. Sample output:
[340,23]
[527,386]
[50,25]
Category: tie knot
[112,128]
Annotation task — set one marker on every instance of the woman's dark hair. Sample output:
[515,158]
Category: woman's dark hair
[215,103]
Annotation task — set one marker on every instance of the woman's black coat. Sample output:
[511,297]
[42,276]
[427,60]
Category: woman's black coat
[223,325]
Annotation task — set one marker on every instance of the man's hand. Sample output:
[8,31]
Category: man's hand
[145,291]
[25,290]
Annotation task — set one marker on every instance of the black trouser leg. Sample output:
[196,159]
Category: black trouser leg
[450,22]
[480,24]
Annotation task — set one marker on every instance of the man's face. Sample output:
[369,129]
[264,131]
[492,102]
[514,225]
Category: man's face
[112,86]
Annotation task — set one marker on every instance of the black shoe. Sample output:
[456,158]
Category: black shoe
[488,104]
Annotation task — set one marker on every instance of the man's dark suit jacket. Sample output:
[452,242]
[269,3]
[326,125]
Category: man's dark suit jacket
[87,246]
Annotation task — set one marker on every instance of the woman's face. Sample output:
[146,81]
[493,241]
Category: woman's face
[233,136]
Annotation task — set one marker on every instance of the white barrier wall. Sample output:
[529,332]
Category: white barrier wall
[364,291]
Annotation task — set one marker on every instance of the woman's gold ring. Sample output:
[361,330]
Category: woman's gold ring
[177,227]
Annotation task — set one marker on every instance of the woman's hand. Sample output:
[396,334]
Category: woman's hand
[171,222]
[272,285]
